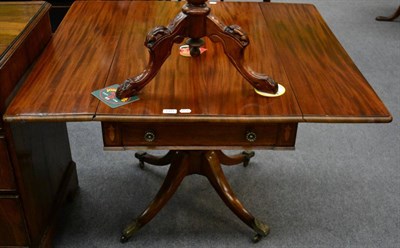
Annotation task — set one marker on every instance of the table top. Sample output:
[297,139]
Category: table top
[100,44]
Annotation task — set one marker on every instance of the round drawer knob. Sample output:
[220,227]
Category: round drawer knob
[251,136]
[149,136]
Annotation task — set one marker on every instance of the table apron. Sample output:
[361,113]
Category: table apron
[199,136]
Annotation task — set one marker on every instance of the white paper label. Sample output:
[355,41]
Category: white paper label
[185,111]
[170,111]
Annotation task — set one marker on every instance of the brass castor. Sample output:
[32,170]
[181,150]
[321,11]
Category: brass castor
[129,230]
[247,157]
[257,237]
[123,239]
[262,230]
[140,156]
[141,164]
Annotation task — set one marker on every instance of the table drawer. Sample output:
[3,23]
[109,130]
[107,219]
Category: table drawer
[6,174]
[12,223]
[198,135]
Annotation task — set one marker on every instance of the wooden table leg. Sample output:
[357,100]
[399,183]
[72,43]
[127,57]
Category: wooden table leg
[206,163]
[154,160]
[389,18]
[177,171]
[213,171]
[243,157]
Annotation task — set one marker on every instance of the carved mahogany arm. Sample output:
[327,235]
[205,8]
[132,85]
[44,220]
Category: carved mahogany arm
[234,41]
[159,42]
[195,22]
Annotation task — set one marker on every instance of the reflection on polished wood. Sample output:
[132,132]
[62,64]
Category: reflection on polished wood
[185,163]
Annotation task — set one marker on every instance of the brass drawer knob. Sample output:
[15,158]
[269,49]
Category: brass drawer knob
[149,136]
[251,136]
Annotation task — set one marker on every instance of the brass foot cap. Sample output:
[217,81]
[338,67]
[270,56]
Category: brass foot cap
[129,230]
[261,228]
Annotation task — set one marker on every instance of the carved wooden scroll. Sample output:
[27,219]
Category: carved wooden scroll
[195,22]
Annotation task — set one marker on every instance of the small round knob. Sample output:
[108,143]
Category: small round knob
[149,136]
[195,51]
[251,136]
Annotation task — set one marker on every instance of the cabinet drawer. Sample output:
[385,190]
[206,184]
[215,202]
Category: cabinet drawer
[6,174]
[198,135]
[12,224]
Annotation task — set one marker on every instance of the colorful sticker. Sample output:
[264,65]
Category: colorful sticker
[107,95]
[185,51]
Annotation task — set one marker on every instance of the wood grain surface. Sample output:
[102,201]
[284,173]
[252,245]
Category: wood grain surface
[14,18]
[75,62]
[327,84]
[45,173]
[290,42]
[24,32]
[13,227]
[197,136]
[209,85]
[7,182]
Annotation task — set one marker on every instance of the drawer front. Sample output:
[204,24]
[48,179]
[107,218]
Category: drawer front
[199,135]
[7,182]
[12,224]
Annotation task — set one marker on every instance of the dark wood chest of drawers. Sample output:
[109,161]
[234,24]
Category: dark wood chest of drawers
[24,219]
